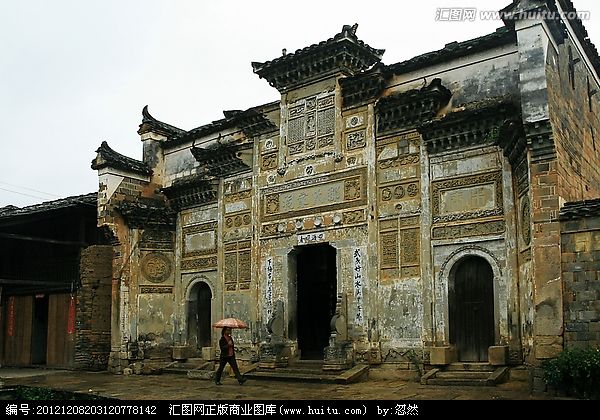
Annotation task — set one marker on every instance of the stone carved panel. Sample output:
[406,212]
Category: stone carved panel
[355,121]
[409,221]
[238,220]
[326,119]
[237,196]
[325,141]
[389,249]
[460,200]
[199,239]
[156,267]
[237,263]
[399,161]
[162,289]
[311,124]
[399,191]
[230,267]
[199,264]
[390,224]
[468,229]
[472,208]
[356,140]
[156,239]
[268,162]
[269,230]
[354,216]
[410,247]
[316,195]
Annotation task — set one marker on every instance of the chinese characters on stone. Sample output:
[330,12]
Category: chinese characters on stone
[269,287]
[358,285]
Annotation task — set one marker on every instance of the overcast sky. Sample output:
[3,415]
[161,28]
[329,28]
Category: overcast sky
[74,73]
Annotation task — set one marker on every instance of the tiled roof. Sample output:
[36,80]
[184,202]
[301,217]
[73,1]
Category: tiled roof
[455,50]
[579,209]
[48,206]
[108,158]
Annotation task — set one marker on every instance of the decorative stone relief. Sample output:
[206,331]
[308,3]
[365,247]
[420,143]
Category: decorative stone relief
[354,216]
[237,265]
[356,140]
[237,220]
[199,239]
[156,239]
[156,267]
[315,195]
[237,196]
[399,191]
[410,247]
[199,264]
[156,289]
[471,201]
[389,249]
[399,161]
[269,162]
[311,124]
[355,121]
[468,229]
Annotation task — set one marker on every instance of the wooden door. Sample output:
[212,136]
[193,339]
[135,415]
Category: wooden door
[472,309]
[18,315]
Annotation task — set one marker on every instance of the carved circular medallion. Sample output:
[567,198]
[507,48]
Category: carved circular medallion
[247,219]
[399,191]
[412,190]
[526,221]
[386,194]
[354,121]
[309,170]
[237,221]
[229,222]
[156,267]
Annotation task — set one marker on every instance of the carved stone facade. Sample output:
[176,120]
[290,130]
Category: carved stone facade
[387,184]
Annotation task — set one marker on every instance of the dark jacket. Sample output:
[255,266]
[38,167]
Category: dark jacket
[225,348]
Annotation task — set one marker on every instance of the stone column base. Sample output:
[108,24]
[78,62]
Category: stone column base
[498,355]
[444,355]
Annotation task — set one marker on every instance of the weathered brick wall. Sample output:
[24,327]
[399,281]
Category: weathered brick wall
[92,346]
[580,242]
[128,189]
[575,120]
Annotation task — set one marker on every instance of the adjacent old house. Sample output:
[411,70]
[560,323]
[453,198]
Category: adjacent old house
[373,212]
[55,285]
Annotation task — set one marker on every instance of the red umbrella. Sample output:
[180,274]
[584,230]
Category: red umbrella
[231,323]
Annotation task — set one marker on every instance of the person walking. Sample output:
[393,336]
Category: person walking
[228,356]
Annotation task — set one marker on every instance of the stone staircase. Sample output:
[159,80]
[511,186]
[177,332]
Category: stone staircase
[466,374]
[309,371]
[192,364]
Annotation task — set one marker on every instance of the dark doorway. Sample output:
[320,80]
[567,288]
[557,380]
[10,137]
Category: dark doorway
[39,339]
[471,307]
[199,315]
[317,286]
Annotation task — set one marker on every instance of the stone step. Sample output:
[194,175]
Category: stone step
[465,377]
[293,374]
[470,366]
[458,374]
[457,382]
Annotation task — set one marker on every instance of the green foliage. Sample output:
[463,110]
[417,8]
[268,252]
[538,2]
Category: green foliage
[575,372]
[415,360]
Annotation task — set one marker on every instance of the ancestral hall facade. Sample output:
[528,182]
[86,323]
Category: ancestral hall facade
[374,210]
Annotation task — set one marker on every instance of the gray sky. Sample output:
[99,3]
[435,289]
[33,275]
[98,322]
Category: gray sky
[74,73]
